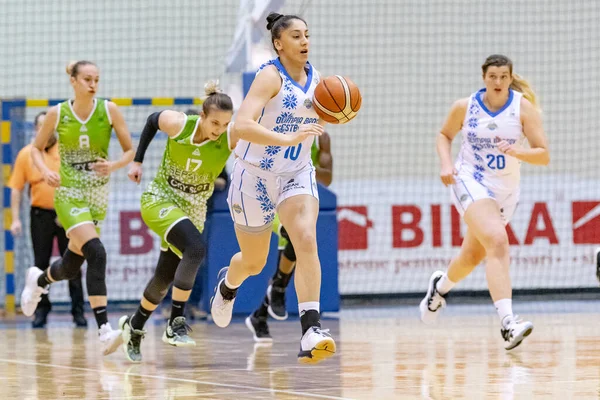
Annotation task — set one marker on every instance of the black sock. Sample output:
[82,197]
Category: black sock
[43,280]
[140,318]
[227,293]
[177,309]
[281,279]
[308,319]
[262,311]
[100,315]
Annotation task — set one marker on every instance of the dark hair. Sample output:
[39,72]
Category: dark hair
[192,111]
[277,23]
[519,83]
[215,98]
[73,67]
[36,120]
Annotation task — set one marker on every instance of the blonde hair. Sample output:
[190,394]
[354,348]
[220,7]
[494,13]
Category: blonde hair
[519,83]
[72,68]
[215,98]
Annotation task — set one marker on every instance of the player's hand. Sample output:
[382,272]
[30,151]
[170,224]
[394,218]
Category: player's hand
[103,167]
[16,228]
[51,178]
[304,132]
[447,174]
[135,172]
[506,148]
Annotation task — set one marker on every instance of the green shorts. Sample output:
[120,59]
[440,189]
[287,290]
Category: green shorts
[161,216]
[75,206]
[282,242]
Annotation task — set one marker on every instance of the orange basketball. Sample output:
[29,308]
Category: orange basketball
[337,99]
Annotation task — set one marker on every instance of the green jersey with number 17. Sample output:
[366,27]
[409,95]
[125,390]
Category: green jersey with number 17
[188,170]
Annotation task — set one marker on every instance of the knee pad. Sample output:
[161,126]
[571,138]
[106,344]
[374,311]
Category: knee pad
[95,255]
[289,252]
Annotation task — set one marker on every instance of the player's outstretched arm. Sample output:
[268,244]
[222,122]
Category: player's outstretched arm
[170,122]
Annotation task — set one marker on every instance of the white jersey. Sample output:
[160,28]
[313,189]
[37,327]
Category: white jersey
[479,156]
[284,113]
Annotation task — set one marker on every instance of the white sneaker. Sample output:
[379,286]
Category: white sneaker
[221,309]
[515,330]
[433,300]
[32,293]
[316,345]
[109,338]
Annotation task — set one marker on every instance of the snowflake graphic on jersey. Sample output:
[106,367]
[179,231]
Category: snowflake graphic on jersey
[474,109]
[290,101]
[478,176]
[473,123]
[260,186]
[478,158]
[266,205]
[479,168]
[476,148]
[278,129]
[272,150]
[285,116]
[287,86]
[268,218]
[471,136]
[491,194]
[266,163]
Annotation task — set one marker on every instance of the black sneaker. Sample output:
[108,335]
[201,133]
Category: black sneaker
[79,320]
[176,333]
[276,296]
[132,339]
[40,319]
[259,329]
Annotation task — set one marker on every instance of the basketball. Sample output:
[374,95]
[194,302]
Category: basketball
[337,99]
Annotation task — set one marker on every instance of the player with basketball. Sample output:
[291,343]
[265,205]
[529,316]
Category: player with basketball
[274,300]
[484,182]
[84,125]
[174,207]
[271,176]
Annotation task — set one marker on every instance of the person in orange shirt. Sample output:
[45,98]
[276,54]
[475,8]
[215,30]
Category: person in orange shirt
[43,221]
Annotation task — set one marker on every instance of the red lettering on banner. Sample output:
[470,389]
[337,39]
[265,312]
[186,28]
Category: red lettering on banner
[353,228]
[128,231]
[399,226]
[547,231]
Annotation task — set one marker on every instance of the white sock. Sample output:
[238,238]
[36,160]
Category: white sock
[308,305]
[444,285]
[229,285]
[504,309]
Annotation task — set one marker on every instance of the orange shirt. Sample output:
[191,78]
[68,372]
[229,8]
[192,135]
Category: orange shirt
[24,172]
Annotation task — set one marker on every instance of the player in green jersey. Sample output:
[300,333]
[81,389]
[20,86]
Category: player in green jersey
[84,125]
[274,301]
[174,207]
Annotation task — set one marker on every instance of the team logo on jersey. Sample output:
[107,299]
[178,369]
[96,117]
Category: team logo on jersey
[65,119]
[165,211]
[78,211]
[187,188]
[237,208]
[83,128]
[492,126]
[196,152]
[308,103]
[464,198]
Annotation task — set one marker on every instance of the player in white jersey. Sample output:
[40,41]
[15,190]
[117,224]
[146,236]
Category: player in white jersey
[484,183]
[271,176]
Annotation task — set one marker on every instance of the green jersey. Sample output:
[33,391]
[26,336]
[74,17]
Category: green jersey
[314,153]
[81,143]
[187,172]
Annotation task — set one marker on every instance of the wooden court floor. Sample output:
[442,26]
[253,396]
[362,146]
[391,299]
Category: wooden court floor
[382,354]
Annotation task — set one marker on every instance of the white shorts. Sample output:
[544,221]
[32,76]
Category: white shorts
[467,190]
[254,195]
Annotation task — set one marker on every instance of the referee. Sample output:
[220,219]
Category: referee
[44,224]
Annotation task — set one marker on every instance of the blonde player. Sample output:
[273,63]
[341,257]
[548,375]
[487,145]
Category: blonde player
[272,174]
[84,125]
[484,183]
